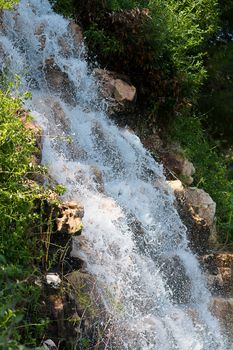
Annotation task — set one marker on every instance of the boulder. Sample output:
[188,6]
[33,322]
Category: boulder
[176,186]
[76,32]
[176,279]
[223,309]
[123,92]
[178,164]
[69,219]
[201,205]
[116,89]
[58,81]
[219,270]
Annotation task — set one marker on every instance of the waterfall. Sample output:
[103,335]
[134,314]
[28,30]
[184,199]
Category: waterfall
[135,243]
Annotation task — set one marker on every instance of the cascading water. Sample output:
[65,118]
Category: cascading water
[158,309]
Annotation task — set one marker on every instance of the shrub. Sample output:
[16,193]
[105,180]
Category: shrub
[211,169]
[20,319]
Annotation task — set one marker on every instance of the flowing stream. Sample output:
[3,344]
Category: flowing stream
[135,243]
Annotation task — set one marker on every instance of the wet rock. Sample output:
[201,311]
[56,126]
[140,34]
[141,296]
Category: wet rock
[39,32]
[69,219]
[116,89]
[76,32]
[58,81]
[219,270]
[177,280]
[223,309]
[201,205]
[98,178]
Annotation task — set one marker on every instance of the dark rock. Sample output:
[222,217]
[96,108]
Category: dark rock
[58,81]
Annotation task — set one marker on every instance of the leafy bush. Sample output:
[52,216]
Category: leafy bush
[20,320]
[216,97]
[211,170]
[8,4]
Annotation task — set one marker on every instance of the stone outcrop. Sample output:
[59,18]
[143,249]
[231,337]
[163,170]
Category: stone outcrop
[116,89]
[58,81]
[177,280]
[223,309]
[76,32]
[179,165]
[69,218]
[176,186]
[219,270]
[201,205]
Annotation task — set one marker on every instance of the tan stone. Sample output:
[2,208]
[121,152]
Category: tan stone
[123,91]
[176,185]
[70,217]
[201,204]
[116,89]
[176,163]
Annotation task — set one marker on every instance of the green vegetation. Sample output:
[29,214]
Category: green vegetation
[8,4]
[211,170]
[21,321]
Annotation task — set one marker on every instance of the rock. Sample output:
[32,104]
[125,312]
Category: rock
[176,185]
[53,279]
[178,164]
[201,204]
[39,32]
[49,345]
[98,178]
[58,81]
[219,270]
[123,91]
[223,309]
[76,32]
[177,280]
[116,89]
[69,219]
[198,233]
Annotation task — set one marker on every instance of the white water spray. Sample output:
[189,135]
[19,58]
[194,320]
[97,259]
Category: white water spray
[156,311]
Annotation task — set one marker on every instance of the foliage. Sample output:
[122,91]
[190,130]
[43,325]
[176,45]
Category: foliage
[64,7]
[216,97]
[20,319]
[191,23]
[211,169]
[8,4]
[100,41]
